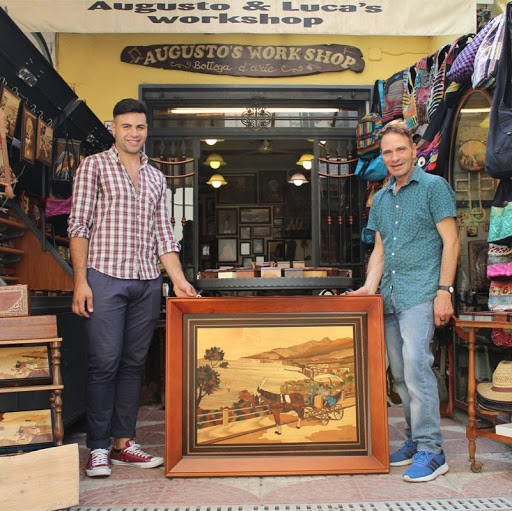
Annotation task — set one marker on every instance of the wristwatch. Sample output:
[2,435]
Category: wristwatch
[446,288]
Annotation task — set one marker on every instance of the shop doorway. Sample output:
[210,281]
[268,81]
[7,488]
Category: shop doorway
[284,193]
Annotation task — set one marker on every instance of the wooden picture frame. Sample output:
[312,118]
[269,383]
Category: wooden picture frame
[25,365]
[247,262]
[245,232]
[66,159]
[254,215]
[261,231]
[276,250]
[278,211]
[10,104]
[258,246]
[28,136]
[227,250]
[241,189]
[245,248]
[44,142]
[272,187]
[26,431]
[227,221]
[224,341]
[477,260]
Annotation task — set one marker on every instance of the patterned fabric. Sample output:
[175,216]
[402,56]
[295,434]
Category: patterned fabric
[500,225]
[428,154]
[127,227]
[409,99]
[368,135]
[500,295]
[422,86]
[488,55]
[393,92]
[463,65]
[499,261]
[407,222]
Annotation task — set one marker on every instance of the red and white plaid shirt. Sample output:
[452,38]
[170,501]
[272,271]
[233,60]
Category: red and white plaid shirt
[128,228]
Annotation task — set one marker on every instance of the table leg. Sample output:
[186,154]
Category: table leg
[471,428]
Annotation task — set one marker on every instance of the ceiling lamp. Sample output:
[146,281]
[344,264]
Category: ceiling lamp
[217,180]
[306,160]
[215,161]
[210,141]
[298,179]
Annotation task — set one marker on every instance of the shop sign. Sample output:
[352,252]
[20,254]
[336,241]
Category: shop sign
[242,60]
[377,17]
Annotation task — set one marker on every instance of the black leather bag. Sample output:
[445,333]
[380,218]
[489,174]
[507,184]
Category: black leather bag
[498,161]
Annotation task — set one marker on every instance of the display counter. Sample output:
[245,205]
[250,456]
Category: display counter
[275,284]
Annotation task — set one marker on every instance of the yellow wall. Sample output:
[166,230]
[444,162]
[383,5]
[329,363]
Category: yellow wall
[91,64]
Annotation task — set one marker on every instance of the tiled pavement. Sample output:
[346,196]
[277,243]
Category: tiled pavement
[137,487]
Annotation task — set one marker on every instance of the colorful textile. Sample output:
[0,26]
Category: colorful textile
[127,227]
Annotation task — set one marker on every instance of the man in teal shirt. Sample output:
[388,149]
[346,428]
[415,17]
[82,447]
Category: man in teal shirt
[414,261]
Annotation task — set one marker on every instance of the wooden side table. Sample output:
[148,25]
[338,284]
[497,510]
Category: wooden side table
[466,329]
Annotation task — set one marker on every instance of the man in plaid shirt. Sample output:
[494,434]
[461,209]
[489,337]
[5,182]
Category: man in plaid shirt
[119,227]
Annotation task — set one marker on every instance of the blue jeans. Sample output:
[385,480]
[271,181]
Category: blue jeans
[119,333]
[408,334]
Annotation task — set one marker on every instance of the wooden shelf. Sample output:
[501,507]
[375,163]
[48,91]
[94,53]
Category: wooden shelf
[12,223]
[9,278]
[30,388]
[8,250]
[60,239]
[31,341]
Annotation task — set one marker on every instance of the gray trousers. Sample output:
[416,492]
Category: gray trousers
[119,333]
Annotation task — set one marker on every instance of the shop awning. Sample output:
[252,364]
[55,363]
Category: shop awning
[379,18]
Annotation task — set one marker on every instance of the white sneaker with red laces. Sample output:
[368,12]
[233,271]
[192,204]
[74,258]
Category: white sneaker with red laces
[133,455]
[99,463]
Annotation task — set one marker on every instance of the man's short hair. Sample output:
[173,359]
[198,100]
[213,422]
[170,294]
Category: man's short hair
[129,105]
[398,126]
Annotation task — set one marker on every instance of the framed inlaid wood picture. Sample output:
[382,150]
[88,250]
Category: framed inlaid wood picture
[275,386]
[28,136]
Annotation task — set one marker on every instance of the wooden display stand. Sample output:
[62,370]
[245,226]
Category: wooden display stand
[466,329]
[37,330]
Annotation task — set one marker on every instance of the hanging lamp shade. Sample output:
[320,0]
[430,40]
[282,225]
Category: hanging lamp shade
[298,179]
[217,180]
[215,161]
[306,160]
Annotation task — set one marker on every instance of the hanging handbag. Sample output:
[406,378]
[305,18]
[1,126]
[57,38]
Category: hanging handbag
[498,159]
[500,224]
[371,170]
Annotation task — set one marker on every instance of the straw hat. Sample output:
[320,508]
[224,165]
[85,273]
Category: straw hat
[501,387]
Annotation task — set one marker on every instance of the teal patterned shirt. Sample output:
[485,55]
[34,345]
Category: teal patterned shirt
[413,247]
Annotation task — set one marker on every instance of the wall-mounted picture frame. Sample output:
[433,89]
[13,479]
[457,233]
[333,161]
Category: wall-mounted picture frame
[227,250]
[277,232]
[222,420]
[24,365]
[247,262]
[227,221]
[260,259]
[276,250]
[278,221]
[66,159]
[26,431]
[254,215]
[477,258]
[10,104]
[205,249]
[278,211]
[245,248]
[44,142]
[261,231]
[258,246]
[28,136]
[241,189]
[272,187]
[245,232]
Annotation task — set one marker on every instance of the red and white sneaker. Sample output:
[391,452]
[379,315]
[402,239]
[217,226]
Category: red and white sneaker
[133,455]
[99,463]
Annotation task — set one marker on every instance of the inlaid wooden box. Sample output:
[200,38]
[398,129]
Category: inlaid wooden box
[270,272]
[14,301]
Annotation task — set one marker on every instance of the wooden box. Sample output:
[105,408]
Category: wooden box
[244,273]
[209,274]
[270,272]
[315,272]
[29,327]
[283,264]
[293,272]
[14,301]
[227,274]
[298,264]
[41,480]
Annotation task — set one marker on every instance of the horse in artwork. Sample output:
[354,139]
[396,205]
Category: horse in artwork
[281,403]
